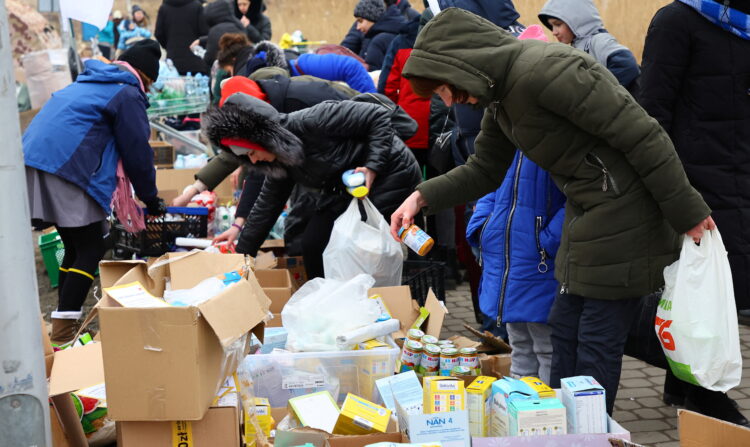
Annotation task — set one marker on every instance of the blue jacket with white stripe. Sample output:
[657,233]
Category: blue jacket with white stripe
[86,128]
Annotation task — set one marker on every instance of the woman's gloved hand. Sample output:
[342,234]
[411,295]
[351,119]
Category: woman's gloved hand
[156,207]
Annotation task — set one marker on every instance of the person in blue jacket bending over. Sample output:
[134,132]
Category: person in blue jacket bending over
[331,67]
[518,229]
[73,150]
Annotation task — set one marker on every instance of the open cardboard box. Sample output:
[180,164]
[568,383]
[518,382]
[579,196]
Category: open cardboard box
[402,307]
[616,431]
[406,310]
[278,286]
[697,430]
[171,182]
[167,363]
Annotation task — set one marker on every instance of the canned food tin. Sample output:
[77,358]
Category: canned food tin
[448,360]
[416,239]
[461,371]
[411,355]
[415,334]
[468,357]
[430,363]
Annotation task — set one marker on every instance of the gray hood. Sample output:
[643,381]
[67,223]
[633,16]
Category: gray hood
[581,16]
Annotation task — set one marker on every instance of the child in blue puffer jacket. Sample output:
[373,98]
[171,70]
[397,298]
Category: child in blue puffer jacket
[518,229]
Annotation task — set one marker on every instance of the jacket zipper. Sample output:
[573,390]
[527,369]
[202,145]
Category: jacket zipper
[542,267]
[564,287]
[481,232]
[606,175]
[508,224]
[380,101]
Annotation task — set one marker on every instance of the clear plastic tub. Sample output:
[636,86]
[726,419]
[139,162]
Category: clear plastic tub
[280,377]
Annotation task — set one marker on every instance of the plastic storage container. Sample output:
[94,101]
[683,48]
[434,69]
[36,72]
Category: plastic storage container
[280,377]
[421,276]
[53,250]
[161,231]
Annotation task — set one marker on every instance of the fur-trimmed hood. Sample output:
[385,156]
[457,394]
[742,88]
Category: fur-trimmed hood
[274,54]
[244,116]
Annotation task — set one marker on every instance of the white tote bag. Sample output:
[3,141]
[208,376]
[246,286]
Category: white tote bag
[366,247]
[696,321]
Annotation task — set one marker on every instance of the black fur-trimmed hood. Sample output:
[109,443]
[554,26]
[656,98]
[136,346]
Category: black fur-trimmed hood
[274,54]
[244,116]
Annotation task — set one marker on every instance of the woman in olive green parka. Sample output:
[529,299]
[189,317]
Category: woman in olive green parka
[629,200]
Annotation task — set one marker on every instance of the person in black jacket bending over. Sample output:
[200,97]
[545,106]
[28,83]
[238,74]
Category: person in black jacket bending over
[312,147]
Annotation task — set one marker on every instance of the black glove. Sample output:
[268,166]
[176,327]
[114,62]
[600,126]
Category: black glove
[156,207]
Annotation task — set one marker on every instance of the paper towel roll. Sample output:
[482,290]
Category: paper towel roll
[368,332]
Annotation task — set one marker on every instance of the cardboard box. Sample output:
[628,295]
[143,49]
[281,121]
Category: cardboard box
[163,154]
[503,392]
[534,417]
[218,428]
[361,417]
[450,429]
[167,363]
[497,365]
[265,421]
[173,181]
[478,404]
[296,267]
[616,431]
[406,310]
[276,246]
[443,394]
[587,408]
[697,430]
[541,388]
[278,286]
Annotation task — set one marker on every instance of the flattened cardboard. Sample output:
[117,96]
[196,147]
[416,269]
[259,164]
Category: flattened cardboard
[406,310]
[69,375]
[218,428]
[266,261]
[697,430]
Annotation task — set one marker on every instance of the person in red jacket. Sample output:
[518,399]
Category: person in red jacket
[397,88]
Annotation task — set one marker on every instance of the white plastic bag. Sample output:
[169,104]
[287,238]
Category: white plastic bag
[367,247]
[324,308]
[696,321]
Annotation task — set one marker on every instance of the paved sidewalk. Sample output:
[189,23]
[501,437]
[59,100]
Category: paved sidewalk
[638,407]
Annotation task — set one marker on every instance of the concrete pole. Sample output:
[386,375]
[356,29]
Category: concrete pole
[24,407]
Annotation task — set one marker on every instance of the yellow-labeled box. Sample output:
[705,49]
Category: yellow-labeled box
[443,394]
[265,421]
[361,417]
[544,391]
[478,400]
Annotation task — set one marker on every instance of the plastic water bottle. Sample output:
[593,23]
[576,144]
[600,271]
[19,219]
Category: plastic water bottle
[179,163]
[355,183]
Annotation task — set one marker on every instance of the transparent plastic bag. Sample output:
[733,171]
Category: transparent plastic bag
[324,308]
[696,320]
[366,247]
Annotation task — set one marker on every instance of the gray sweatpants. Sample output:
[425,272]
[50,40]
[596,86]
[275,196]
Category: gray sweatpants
[532,350]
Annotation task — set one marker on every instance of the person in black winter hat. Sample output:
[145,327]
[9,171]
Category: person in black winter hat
[312,148]
[144,56]
[368,11]
[379,25]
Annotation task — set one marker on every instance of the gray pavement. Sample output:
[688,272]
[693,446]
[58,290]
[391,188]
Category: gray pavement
[639,407]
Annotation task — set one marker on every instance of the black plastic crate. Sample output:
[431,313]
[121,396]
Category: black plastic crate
[421,276]
[161,231]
